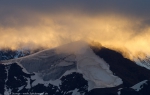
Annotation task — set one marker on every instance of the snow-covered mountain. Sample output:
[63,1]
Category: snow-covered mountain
[74,69]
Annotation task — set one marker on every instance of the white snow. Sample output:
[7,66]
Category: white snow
[7,91]
[28,84]
[139,86]
[75,92]
[39,80]
[119,93]
[63,63]
[6,63]
[146,64]
[20,88]
[7,69]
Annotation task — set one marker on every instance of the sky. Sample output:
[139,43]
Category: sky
[121,24]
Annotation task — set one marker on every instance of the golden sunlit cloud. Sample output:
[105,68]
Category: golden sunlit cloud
[111,30]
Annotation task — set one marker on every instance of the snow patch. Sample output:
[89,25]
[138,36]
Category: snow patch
[143,63]
[7,69]
[75,92]
[139,86]
[119,93]
[28,84]
[39,80]
[20,88]
[7,91]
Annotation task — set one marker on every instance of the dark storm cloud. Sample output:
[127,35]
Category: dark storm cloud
[22,12]
[134,7]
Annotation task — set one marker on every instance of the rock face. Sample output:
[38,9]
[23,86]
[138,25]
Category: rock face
[97,72]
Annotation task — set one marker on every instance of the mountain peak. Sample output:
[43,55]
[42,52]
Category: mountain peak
[52,64]
[74,67]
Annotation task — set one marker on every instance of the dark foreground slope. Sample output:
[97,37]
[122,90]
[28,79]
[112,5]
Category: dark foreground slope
[14,80]
[127,70]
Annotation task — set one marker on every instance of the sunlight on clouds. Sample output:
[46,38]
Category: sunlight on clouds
[49,31]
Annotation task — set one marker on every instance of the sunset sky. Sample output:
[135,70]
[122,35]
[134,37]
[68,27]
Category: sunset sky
[113,23]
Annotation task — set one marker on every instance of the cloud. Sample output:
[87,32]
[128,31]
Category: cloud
[49,24]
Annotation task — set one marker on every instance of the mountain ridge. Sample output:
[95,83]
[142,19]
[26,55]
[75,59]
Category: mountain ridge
[129,72]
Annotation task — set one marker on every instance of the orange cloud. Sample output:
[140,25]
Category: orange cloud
[51,30]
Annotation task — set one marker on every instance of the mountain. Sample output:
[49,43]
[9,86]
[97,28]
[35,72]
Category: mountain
[73,69]
[7,54]
[11,54]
